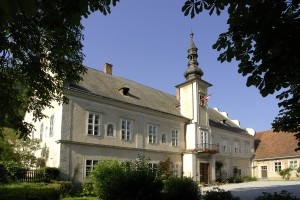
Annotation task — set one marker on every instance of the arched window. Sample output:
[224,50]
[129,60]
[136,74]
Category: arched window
[110,130]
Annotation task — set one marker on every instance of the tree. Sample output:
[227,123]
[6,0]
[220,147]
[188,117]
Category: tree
[263,36]
[40,52]
[14,150]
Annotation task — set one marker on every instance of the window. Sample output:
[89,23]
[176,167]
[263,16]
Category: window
[153,166]
[126,129]
[152,132]
[110,130]
[293,164]
[237,147]
[41,131]
[264,167]
[204,143]
[247,148]
[175,170]
[224,145]
[277,166]
[89,166]
[163,138]
[51,126]
[175,142]
[94,124]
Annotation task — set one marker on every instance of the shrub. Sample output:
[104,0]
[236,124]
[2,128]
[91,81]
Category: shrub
[13,171]
[88,189]
[30,191]
[181,188]
[3,178]
[286,173]
[219,194]
[114,181]
[284,195]
[51,173]
[65,187]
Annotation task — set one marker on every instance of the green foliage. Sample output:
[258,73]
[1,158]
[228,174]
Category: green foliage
[283,195]
[28,191]
[41,52]
[219,194]
[166,168]
[114,180]
[65,187]
[13,171]
[51,173]
[181,188]
[263,37]
[17,150]
[286,173]
[88,189]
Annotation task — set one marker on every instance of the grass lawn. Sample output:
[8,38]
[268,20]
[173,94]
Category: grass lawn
[80,198]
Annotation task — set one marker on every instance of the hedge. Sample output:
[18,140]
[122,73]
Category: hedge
[30,191]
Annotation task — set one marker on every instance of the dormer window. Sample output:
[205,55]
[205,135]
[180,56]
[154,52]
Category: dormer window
[124,90]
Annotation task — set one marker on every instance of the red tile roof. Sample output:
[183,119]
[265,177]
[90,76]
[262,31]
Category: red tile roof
[269,144]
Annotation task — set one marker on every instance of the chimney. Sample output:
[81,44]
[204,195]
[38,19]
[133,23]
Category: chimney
[177,93]
[108,68]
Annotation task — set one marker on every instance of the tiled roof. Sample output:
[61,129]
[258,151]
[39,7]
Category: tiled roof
[101,84]
[269,144]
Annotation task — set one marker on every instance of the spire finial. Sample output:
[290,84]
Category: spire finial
[192,34]
[193,71]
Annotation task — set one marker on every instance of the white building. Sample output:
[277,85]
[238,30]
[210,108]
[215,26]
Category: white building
[110,117]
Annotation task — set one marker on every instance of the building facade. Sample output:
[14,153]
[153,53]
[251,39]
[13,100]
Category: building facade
[110,117]
[275,152]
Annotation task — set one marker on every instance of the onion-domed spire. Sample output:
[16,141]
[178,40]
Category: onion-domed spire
[193,71]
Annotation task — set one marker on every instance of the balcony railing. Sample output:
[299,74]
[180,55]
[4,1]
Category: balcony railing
[207,148]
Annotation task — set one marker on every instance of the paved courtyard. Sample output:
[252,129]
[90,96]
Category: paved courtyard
[251,190]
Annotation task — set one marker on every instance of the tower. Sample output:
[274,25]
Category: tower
[192,94]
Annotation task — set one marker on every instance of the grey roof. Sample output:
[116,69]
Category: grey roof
[216,120]
[101,84]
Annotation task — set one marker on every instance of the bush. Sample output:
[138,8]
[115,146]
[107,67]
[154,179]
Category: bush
[12,171]
[114,181]
[65,187]
[284,195]
[29,191]
[3,178]
[286,173]
[88,189]
[219,194]
[51,173]
[181,188]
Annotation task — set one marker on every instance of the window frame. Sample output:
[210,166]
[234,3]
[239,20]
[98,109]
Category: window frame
[42,131]
[51,127]
[225,148]
[293,164]
[91,126]
[107,127]
[91,166]
[277,166]
[152,131]
[126,131]
[175,139]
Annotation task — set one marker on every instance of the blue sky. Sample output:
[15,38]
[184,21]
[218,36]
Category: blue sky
[147,42]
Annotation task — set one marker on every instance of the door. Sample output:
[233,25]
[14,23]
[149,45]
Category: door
[264,171]
[204,173]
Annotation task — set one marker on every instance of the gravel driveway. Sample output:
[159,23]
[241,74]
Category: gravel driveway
[250,190]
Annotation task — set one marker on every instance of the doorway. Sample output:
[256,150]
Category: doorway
[264,171]
[204,173]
